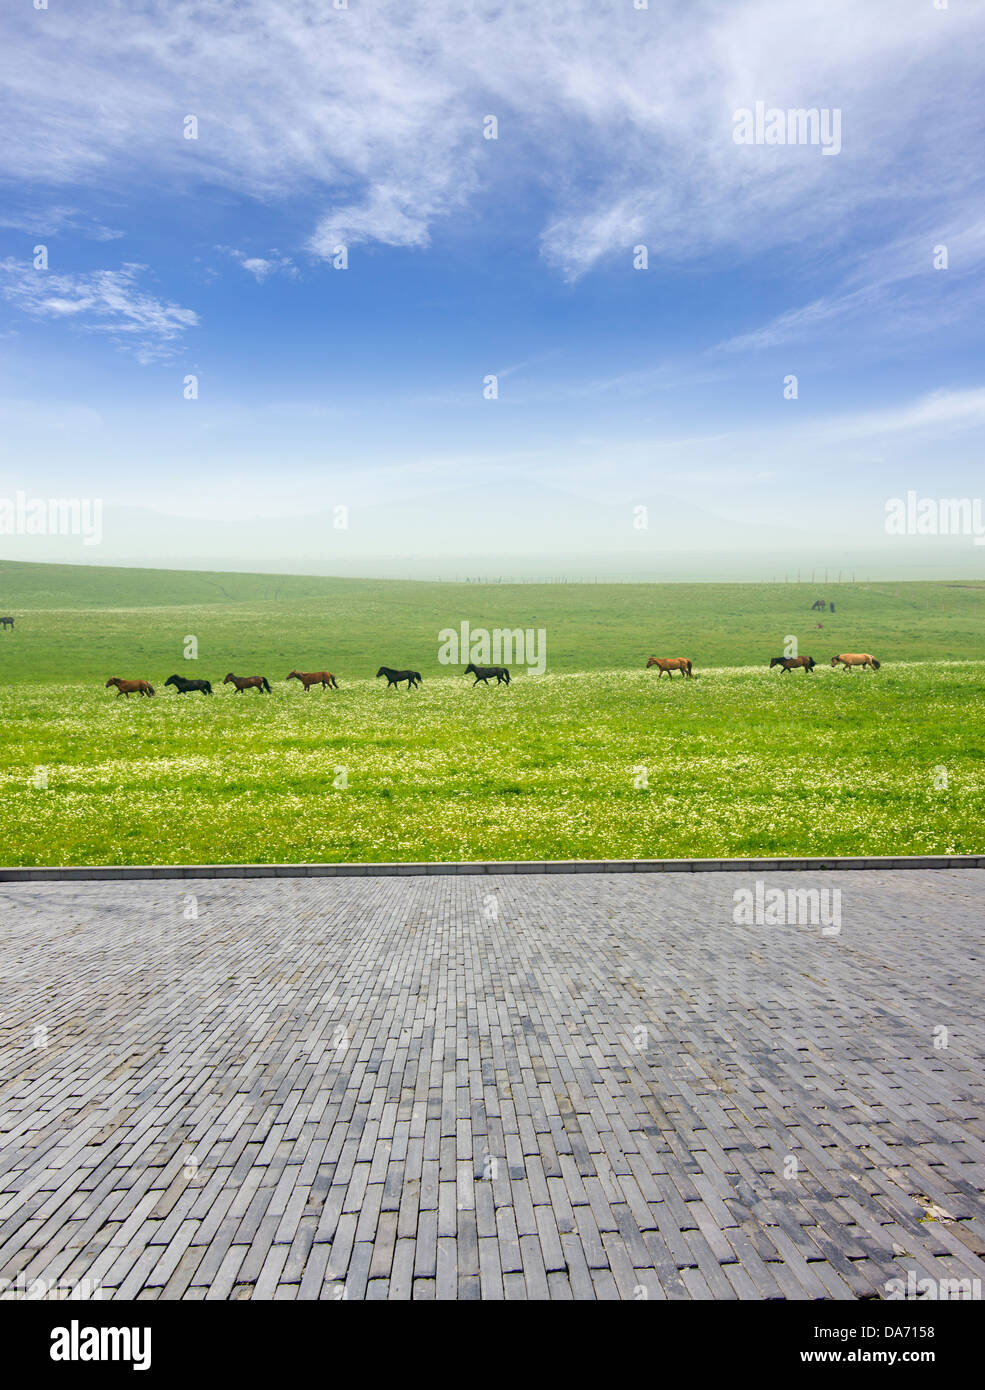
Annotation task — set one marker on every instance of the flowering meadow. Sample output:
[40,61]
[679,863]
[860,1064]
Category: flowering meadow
[596,758]
[595,764]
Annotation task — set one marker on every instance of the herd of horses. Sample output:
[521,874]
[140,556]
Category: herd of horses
[847,660]
[501,675]
[307,678]
[239,683]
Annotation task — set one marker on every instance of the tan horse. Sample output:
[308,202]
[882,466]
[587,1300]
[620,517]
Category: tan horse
[670,664]
[310,678]
[129,688]
[850,659]
[248,683]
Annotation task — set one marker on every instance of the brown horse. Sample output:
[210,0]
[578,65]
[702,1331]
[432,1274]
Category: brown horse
[850,659]
[789,662]
[247,683]
[129,688]
[310,678]
[670,664]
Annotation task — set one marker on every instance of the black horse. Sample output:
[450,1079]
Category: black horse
[183,686]
[413,678]
[6,622]
[789,662]
[486,673]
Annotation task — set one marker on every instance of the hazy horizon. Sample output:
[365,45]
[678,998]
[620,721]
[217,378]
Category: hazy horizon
[722,568]
[528,532]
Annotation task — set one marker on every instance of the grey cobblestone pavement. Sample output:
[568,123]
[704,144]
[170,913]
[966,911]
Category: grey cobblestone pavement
[520,1086]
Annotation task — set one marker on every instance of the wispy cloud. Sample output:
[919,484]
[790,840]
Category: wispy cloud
[621,119]
[58,221]
[892,288]
[100,301]
[939,412]
[389,215]
[261,267]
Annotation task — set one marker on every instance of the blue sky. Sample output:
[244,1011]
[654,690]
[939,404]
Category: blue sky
[467,257]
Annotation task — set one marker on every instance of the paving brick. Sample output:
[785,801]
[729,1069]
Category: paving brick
[343,1089]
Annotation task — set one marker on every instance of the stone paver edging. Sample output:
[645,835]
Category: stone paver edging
[60,873]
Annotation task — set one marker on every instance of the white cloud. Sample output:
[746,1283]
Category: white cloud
[620,120]
[102,301]
[939,411]
[391,216]
[262,266]
[56,221]
[892,290]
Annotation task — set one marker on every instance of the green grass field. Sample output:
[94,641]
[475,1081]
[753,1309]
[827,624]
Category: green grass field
[739,761]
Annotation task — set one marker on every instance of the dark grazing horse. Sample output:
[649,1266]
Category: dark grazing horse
[310,678]
[413,678]
[6,622]
[183,686]
[818,603]
[129,688]
[486,673]
[789,662]
[247,683]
